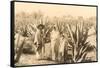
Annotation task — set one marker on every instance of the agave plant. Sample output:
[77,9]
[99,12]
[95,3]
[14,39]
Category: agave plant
[78,41]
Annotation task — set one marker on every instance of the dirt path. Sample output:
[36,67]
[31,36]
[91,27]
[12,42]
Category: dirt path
[31,60]
[27,59]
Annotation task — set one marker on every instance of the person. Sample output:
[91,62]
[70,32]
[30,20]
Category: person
[62,47]
[55,41]
[39,42]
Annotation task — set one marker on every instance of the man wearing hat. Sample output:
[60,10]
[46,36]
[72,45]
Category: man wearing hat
[38,41]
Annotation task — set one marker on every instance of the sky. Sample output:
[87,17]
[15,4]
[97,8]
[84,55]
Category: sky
[55,10]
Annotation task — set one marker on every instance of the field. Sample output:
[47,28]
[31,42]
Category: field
[79,32]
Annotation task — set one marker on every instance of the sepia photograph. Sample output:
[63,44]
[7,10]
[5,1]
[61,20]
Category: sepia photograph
[51,33]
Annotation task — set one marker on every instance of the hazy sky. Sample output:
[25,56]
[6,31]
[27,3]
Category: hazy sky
[55,10]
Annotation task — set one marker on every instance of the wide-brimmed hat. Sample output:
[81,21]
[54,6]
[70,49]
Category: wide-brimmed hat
[40,26]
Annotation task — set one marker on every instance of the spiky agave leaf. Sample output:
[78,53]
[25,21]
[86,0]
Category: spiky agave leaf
[78,38]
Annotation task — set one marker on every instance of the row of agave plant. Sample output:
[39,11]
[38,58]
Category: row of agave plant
[77,32]
[78,41]
[77,36]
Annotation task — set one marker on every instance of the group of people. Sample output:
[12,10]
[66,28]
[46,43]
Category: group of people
[58,43]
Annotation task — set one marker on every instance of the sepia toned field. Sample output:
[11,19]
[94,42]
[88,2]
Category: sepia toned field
[47,39]
[30,58]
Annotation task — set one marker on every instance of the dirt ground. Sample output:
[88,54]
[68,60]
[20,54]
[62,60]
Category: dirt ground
[30,59]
